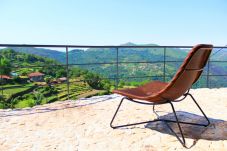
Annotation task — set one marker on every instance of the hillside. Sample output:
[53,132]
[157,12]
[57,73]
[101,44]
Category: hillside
[48,53]
[20,90]
[24,63]
[108,55]
[103,54]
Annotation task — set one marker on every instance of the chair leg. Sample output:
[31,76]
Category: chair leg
[178,124]
[208,121]
[197,124]
[125,125]
[111,123]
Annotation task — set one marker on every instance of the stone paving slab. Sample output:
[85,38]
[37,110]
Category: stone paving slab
[84,125]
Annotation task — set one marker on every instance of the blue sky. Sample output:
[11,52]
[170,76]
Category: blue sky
[113,22]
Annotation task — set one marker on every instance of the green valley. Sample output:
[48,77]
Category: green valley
[27,80]
[92,71]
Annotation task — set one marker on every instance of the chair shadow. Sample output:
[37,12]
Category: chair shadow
[217,130]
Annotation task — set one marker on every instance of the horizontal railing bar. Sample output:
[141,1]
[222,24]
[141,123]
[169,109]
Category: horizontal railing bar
[132,77]
[173,60]
[126,62]
[144,77]
[213,75]
[98,63]
[37,66]
[209,75]
[87,46]
[98,46]
[116,62]
[135,77]
[150,61]
[101,63]
[89,64]
[205,75]
[173,75]
[218,61]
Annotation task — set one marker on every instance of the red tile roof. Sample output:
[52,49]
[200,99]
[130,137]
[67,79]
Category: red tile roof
[5,77]
[35,74]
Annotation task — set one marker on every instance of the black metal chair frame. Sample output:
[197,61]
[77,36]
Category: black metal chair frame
[182,141]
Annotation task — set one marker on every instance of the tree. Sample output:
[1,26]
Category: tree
[121,84]
[106,84]
[25,71]
[93,80]
[96,82]
[39,97]
[61,72]
[75,72]
[5,66]
[2,102]
[48,79]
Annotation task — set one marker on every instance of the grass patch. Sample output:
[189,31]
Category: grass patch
[12,89]
[25,103]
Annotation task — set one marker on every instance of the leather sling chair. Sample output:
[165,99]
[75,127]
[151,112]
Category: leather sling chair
[157,92]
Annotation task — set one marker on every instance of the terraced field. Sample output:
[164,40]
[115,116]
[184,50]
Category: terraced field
[9,90]
[28,95]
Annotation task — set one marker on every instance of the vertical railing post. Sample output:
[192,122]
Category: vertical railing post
[117,64]
[1,84]
[67,70]
[1,78]
[164,65]
[208,73]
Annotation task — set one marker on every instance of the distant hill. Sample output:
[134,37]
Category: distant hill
[146,55]
[31,63]
[48,53]
[108,55]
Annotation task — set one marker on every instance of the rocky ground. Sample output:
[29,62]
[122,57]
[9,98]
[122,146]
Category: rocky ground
[84,125]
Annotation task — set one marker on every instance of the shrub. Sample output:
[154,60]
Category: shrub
[17,79]
[2,105]
[13,102]
[38,98]
[93,80]
[25,103]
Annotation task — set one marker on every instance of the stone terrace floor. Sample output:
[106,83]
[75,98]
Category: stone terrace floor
[84,125]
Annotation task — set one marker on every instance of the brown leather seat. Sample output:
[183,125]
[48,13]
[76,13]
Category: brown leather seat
[186,76]
[144,92]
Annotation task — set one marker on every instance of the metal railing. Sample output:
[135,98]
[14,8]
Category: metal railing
[117,62]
